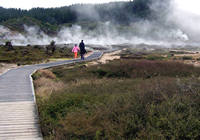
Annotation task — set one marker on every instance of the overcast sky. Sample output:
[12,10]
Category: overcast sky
[192,6]
[28,4]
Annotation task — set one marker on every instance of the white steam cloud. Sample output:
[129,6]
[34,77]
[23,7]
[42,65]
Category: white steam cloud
[105,34]
[179,27]
[187,18]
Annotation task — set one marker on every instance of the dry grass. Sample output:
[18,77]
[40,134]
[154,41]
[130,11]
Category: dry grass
[92,81]
[5,67]
[124,99]
[31,54]
[45,87]
[47,73]
[46,84]
[145,69]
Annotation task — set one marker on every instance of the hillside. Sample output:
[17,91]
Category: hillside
[17,24]
[49,19]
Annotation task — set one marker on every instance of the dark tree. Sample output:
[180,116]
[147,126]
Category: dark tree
[9,45]
[117,12]
[50,49]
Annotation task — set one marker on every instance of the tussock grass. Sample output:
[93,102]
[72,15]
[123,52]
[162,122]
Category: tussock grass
[155,57]
[119,101]
[145,69]
[31,54]
[46,87]
[187,58]
[46,73]
[46,83]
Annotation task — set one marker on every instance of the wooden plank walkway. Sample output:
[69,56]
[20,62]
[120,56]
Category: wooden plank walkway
[18,111]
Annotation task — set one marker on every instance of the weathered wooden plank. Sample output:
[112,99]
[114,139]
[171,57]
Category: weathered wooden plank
[18,112]
[19,126]
[19,119]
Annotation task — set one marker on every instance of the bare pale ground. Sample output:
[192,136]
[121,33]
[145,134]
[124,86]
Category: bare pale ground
[194,54]
[106,58]
[193,62]
[109,57]
[5,67]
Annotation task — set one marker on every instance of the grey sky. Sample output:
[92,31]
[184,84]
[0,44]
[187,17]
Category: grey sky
[28,4]
[191,6]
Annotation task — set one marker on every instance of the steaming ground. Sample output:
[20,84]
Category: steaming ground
[179,27]
[106,34]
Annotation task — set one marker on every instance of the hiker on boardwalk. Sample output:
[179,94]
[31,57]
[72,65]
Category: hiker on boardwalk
[75,51]
[82,50]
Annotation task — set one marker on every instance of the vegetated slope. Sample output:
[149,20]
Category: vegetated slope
[122,13]
[124,99]
[31,54]
[17,24]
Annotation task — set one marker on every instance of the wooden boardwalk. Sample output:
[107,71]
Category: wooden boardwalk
[18,111]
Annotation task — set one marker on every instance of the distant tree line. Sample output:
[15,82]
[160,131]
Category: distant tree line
[120,12]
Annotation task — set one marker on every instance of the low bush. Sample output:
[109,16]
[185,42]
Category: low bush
[198,59]
[153,108]
[155,57]
[47,74]
[187,58]
[115,101]
[145,69]
[30,54]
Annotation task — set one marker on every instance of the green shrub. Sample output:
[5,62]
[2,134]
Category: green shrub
[198,59]
[187,58]
[100,72]
[30,54]
[125,105]
[155,57]
[163,111]
[145,69]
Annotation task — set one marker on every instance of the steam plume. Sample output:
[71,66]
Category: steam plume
[173,27]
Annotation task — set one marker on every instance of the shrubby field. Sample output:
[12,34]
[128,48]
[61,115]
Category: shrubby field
[123,99]
[23,55]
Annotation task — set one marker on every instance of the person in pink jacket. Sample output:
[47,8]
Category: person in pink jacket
[75,51]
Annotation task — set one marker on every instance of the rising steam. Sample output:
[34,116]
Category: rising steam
[178,27]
